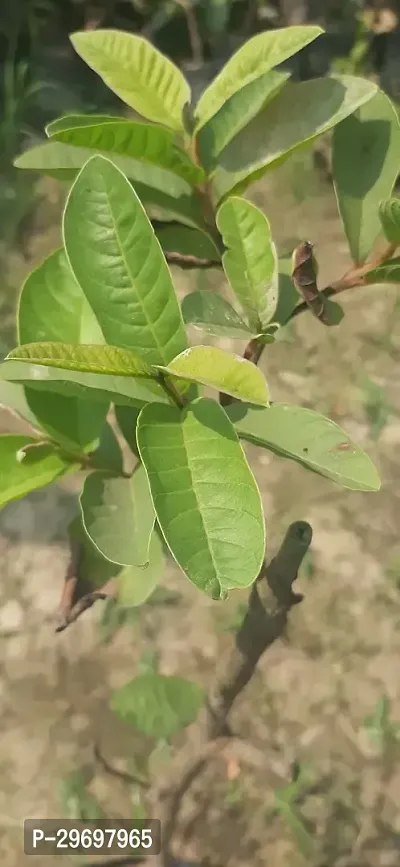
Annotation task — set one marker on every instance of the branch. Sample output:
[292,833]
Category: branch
[72,605]
[270,602]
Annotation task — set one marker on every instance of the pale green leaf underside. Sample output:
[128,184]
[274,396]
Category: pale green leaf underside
[300,113]
[165,194]
[137,583]
[122,390]
[388,273]
[84,358]
[223,371]
[133,68]
[118,516]
[209,312]
[236,113]
[250,263]
[389,213]
[53,307]
[370,141]
[206,499]
[141,141]
[157,705]
[118,262]
[257,56]
[311,439]
[18,479]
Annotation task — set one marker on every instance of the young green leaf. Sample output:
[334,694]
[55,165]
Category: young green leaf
[310,439]
[236,113]
[118,262]
[141,141]
[94,568]
[142,77]
[84,358]
[158,705]
[299,114]
[389,272]
[136,583]
[124,390]
[165,195]
[205,496]
[222,370]
[20,478]
[250,263]
[118,516]
[53,307]
[389,214]
[256,57]
[209,312]
[365,166]
[186,246]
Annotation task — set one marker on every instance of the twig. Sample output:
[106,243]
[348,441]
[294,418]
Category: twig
[270,601]
[125,776]
[108,591]
[196,44]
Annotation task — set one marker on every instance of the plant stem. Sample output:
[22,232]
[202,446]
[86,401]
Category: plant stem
[170,390]
[353,278]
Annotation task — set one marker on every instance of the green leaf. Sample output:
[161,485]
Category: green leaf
[211,313]
[118,262]
[165,195]
[142,141]
[94,568]
[20,478]
[310,439]
[70,421]
[127,418]
[84,358]
[222,370]
[71,121]
[299,114]
[118,516]
[123,390]
[142,77]
[205,496]
[387,273]
[389,214]
[256,57]
[288,297]
[157,705]
[250,263]
[136,583]
[53,307]
[236,113]
[368,141]
[108,455]
[184,243]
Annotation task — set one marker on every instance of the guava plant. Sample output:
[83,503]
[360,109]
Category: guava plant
[100,324]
